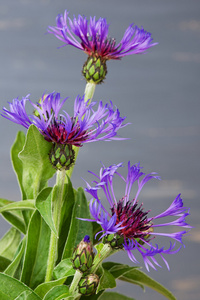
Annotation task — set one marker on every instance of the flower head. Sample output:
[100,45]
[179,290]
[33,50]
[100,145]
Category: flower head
[86,125]
[91,36]
[94,40]
[128,219]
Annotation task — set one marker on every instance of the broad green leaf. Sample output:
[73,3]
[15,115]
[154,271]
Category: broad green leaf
[108,265]
[13,267]
[58,293]
[23,296]
[11,288]
[17,163]
[118,270]
[19,205]
[66,217]
[114,296]
[45,287]
[15,218]
[37,169]
[36,254]
[64,269]
[107,280]
[78,228]
[43,204]
[4,263]
[135,275]
[9,243]
[18,168]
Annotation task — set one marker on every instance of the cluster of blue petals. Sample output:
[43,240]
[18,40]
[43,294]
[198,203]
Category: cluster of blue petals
[107,220]
[86,125]
[94,40]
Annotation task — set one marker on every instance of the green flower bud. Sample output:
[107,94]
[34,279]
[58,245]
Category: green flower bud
[94,69]
[88,284]
[116,241]
[83,255]
[61,156]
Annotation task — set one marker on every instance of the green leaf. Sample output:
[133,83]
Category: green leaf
[117,269]
[37,169]
[66,217]
[4,263]
[9,243]
[58,293]
[23,296]
[37,249]
[17,163]
[78,229]
[114,295]
[135,275]
[107,280]
[19,205]
[45,287]
[44,205]
[15,218]
[64,269]
[14,266]
[11,288]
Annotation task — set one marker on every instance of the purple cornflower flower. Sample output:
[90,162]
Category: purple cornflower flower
[93,37]
[86,125]
[128,221]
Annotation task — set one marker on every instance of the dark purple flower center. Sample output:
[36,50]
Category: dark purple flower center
[97,47]
[133,219]
[58,133]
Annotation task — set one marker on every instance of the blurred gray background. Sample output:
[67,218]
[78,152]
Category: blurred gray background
[158,92]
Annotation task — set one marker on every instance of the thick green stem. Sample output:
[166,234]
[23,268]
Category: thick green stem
[57,207]
[75,281]
[105,252]
[89,90]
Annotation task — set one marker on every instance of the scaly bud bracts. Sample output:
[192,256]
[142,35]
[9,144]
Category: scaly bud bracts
[83,255]
[116,241]
[94,69]
[61,156]
[88,284]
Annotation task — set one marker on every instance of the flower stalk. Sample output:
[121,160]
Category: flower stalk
[57,207]
[75,281]
[104,253]
[89,91]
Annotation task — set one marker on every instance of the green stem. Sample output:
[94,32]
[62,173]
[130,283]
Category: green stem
[57,207]
[75,281]
[105,252]
[89,90]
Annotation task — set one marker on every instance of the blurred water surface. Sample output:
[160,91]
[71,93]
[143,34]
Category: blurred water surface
[158,93]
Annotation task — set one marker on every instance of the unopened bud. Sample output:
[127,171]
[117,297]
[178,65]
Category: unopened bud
[88,284]
[83,255]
